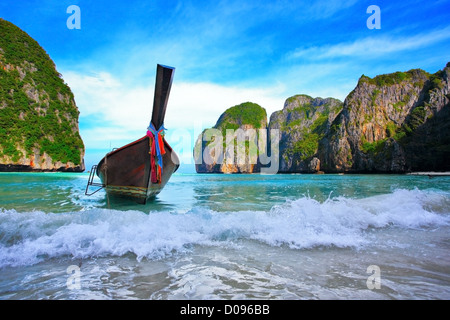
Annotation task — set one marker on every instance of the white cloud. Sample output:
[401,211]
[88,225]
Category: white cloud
[121,114]
[205,102]
[373,46]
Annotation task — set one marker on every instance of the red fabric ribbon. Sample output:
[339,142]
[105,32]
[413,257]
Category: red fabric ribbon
[155,156]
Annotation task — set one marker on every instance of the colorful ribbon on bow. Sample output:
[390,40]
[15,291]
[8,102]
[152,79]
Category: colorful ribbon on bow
[156,152]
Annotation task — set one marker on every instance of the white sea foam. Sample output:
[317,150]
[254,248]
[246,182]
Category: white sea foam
[27,238]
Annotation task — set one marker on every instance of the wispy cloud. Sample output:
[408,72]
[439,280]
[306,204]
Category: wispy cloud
[326,9]
[372,46]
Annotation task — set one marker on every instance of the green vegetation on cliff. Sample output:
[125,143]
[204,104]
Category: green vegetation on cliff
[304,123]
[394,78]
[308,145]
[248,113]
[37,109]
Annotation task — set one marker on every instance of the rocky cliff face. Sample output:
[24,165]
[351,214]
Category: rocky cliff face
[38,116]
[302,123]
[392,123]
[231,146]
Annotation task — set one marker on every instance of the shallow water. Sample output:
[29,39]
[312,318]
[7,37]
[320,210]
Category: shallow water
[227,237]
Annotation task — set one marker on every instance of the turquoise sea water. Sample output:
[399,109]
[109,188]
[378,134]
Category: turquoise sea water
[227,237]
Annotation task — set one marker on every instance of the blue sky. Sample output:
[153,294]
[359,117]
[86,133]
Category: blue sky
[224,52]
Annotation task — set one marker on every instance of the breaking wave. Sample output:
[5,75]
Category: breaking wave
[27,238]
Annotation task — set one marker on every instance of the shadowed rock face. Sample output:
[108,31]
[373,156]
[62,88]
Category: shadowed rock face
[38,115]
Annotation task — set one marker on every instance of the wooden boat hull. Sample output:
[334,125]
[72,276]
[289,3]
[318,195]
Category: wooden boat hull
[126,172]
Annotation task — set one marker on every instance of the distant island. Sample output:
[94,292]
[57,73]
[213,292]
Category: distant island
[392,123]
[38,116]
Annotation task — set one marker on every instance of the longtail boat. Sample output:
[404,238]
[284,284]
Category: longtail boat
[141,169]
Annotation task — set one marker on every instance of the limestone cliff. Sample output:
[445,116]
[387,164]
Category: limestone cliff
[231,146]
[302,123]
[392,123]
[38,116]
